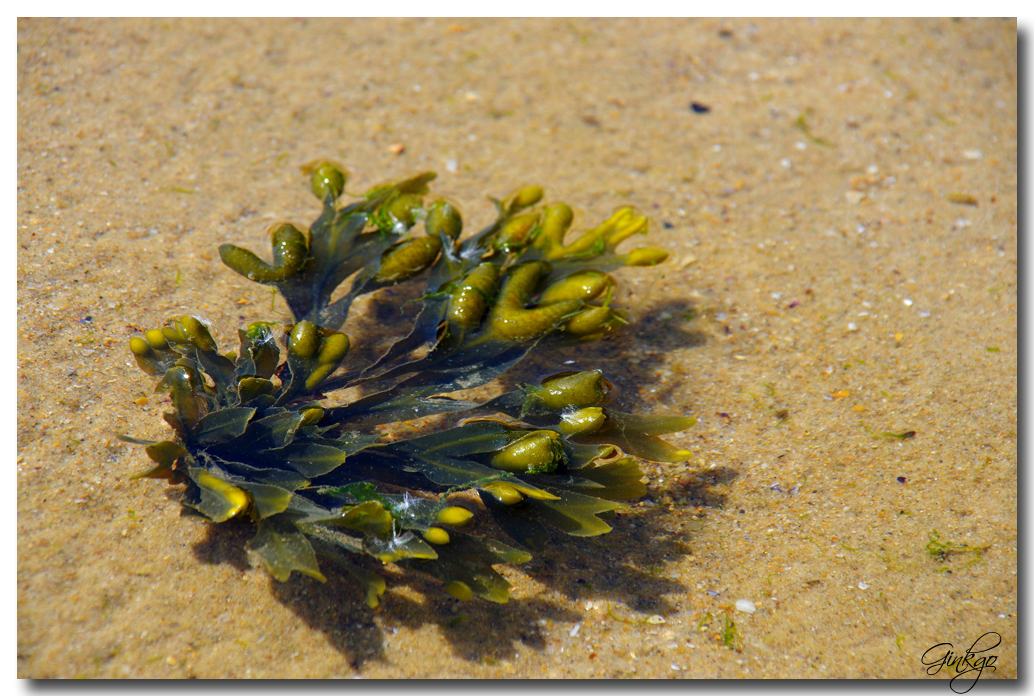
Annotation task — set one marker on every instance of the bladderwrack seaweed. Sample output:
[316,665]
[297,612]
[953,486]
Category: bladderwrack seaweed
[254,441]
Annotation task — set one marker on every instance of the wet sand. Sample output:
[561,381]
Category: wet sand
[843,222]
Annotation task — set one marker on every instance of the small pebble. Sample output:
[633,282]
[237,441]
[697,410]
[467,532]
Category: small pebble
[863,586]
[574,631]
[746,606]
[655,619]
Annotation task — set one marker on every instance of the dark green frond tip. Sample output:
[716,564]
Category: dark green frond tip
[280,433]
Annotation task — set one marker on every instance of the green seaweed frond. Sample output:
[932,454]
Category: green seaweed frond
[942,549]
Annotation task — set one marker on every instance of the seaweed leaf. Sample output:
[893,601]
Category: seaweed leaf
[616,480]
[271,432]
[222,425]
[310,459]
[165,454]
[573,513]
[266,499]
[633,435]
[216,498]
[468,560]
[283,548]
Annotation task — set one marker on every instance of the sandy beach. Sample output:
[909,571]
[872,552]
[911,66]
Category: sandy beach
[839,313]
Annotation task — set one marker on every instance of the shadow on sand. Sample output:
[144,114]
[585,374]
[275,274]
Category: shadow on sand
[626,568]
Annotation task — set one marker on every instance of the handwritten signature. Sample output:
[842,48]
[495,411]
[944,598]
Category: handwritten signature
[962,663]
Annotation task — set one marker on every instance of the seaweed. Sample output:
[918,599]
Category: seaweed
[942,549]
[255,441]
[730,634]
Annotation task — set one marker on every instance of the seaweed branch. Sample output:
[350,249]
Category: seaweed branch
[252,439]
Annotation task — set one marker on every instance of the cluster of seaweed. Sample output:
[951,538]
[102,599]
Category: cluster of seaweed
[254,442]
